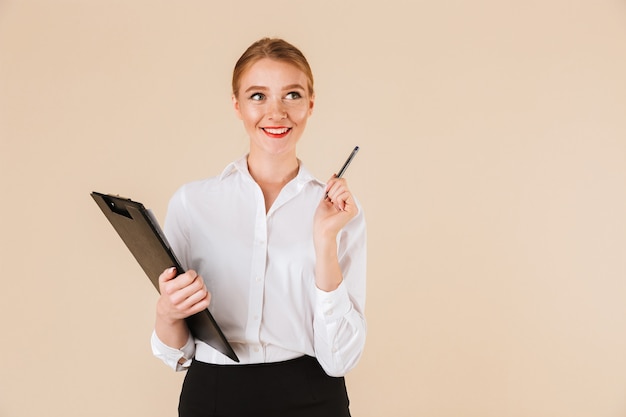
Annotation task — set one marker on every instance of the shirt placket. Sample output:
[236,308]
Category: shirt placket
[257,283]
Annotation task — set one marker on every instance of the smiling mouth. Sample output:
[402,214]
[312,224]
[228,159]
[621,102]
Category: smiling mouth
[276,132]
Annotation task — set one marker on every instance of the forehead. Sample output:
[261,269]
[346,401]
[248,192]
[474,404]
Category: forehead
[271,73]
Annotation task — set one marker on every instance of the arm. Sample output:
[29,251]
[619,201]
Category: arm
[171,340]
[339,323]
[180,297]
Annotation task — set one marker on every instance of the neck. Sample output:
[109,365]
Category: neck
[274,169]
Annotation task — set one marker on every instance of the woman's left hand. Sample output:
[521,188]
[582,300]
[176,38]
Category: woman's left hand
[335,210]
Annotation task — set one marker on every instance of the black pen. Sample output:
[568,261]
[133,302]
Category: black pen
[345,165]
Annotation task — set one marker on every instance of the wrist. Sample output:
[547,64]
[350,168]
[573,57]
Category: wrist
[327,272]
[325,244]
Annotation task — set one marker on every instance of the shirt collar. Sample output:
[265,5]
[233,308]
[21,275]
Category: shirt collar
[241,166]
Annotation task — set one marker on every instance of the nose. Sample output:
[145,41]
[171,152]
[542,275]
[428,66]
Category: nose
[277,110]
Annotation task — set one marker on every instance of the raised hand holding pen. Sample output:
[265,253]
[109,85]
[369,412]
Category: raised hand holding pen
[334,179]
[337,207]
[345,166]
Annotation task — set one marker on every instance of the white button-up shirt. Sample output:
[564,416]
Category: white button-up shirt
[260,270]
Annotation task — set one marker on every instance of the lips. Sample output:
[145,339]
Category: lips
[276,132]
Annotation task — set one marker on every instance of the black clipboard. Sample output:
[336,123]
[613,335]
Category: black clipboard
[143,236]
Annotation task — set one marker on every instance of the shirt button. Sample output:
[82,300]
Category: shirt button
[329,312]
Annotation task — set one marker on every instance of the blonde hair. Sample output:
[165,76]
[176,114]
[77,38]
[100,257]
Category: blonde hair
[276,49]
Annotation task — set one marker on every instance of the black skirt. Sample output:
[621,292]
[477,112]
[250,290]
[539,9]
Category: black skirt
[294,388]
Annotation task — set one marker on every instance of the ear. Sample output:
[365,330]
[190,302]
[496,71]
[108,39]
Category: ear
[311,104]
[236,106]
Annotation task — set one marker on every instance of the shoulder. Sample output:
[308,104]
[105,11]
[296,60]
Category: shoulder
[212,187]
[194,188]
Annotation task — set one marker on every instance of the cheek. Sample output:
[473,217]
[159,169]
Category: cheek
[250,115]
[300,114]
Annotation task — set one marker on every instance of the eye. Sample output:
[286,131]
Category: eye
[257,96]
[293,95]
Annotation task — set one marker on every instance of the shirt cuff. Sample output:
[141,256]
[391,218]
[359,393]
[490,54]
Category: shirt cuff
[333,305]
[177,359]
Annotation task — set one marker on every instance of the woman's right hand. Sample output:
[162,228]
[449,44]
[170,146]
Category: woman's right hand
[181,296]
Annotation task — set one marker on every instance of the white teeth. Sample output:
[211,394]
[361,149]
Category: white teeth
[277,131]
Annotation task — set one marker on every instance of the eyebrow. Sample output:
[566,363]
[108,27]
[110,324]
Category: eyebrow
[255,87]
[287,87]
[293,87]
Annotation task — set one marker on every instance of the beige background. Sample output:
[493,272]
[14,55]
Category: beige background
[492,171]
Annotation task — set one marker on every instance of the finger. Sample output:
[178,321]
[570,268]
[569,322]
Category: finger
[181,281]
[168,274]
[340,200]
[180,294]
[334,186]
[338,192]
[330,183]
[196,302]
[344,201]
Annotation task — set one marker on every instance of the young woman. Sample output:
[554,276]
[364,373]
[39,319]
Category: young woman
[279,257]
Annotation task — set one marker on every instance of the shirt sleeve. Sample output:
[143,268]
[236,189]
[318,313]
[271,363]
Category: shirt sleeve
[176,226]
[175,230]
[177,359]
[339,322]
